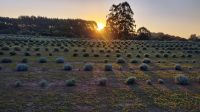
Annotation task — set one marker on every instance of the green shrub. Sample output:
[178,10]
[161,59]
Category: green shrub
[12,53]
[43,83]
[160,81]
[6,60]
[101,51]
[56,50]
[42,60]
[121,60]
[86,55]
[107,55]
[146,60]
[88,67]
[193,61]
[130,80]
[68,67]
[162,52]
[108,67]
[60,60]
[181,79]
[117,51]
[174,56]
[17,84]
[134,61]
[144,67]
[129,55]
[102,81]
[5,48]
[166,55]
[189,56]
[138,56]
[146,55]
[22,67]
[66,50]
[157,55]
[75,55]
[50,54]
[70,82]
[178,67]
[96,55]
[149,82]
[118,55]
[182,56]
[105,61]
[37,49]
[17,49]
[24,60]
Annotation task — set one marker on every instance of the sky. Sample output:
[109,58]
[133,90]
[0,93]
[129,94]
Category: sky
[175,17]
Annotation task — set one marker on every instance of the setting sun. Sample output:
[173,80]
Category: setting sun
[100,26]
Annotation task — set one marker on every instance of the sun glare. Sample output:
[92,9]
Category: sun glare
[100,26]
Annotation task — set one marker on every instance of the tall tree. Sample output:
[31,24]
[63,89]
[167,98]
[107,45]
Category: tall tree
[143,33]
[120,21]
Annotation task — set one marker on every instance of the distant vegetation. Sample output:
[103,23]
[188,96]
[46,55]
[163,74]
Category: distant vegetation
[120,24]
[71,28]
[42,26]
[194,37]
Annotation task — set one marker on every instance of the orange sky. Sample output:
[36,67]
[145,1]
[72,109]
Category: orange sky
[176,17]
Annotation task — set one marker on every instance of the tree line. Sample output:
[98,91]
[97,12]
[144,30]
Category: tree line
[120,24]
[42,26]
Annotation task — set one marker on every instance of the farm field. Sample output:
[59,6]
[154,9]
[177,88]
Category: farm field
[46,74]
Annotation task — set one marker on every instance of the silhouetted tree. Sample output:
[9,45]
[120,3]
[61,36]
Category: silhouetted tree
[48,26]
[120,21]
[143,34]
[194,37]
